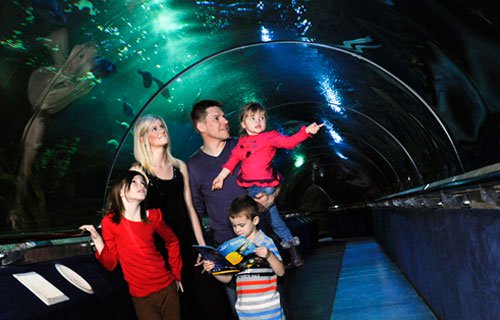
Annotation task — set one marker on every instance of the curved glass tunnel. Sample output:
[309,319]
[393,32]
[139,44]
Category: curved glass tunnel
[403,104]
[407,92]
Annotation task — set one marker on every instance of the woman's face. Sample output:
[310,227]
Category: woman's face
[137,190]
[157,134]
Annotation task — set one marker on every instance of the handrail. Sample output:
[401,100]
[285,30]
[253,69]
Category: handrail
[41,236]
[480,176]
[41,246]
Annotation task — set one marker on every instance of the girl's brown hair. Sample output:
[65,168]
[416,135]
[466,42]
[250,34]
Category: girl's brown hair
[114,203]
[251,107]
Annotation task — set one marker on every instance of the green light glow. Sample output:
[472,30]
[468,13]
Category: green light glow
[167,22]
[299,161]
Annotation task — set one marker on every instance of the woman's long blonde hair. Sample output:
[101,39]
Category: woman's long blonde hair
[142,148]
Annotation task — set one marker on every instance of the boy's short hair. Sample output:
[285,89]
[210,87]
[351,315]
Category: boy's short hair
[199,110]
[243,205]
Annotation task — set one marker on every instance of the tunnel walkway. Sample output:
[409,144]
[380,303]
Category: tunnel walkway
[353,280]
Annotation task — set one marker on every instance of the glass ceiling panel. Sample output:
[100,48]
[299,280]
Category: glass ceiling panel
[403,101]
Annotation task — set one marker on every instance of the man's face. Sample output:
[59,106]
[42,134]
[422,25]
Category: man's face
[215,125]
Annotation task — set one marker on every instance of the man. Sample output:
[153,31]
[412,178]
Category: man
[210,122]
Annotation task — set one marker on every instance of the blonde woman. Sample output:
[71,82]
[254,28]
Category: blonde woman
[168,190]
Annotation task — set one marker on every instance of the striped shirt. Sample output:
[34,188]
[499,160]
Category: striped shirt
[256,288]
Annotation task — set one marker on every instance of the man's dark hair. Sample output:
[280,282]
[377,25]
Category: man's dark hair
[199,110]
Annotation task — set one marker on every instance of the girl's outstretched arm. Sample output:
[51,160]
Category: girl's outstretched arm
[95,236]
[106,251]
[313,128]
[219,180]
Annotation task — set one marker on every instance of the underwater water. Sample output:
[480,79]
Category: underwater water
[399,107]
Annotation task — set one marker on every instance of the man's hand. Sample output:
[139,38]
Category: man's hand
[265,201]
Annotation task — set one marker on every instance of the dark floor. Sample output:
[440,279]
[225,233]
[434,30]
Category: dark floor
[352,280]
[312,286]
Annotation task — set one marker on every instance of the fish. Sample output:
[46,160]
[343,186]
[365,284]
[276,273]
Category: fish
[103,67]
[123,124]
[147,78]
[160,84]
[113,143]
[128,110]
[53,8]
[198,95]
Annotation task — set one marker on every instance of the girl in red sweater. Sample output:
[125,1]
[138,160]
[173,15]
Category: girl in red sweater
[128,238]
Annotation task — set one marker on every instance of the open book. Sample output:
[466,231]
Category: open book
[232,256]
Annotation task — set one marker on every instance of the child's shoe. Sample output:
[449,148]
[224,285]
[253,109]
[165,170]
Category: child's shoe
[295,257]
[295,241]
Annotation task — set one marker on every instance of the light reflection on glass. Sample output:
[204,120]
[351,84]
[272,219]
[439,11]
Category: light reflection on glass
[341,155]
[331,95]
[304,25]
[331,131]
[167,22]
[265,35]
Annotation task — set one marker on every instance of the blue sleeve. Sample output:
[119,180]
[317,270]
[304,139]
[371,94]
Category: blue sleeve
[272,247]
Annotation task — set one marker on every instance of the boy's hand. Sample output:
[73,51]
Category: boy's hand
[262,252]
[313,128]
[208,265]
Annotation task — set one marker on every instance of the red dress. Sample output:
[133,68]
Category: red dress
[132,244]
[256,154]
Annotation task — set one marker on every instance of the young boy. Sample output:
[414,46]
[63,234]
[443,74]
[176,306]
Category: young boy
[256,288]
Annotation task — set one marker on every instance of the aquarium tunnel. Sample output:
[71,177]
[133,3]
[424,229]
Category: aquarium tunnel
[405,168]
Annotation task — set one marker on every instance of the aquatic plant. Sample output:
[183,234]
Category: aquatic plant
[54,164]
